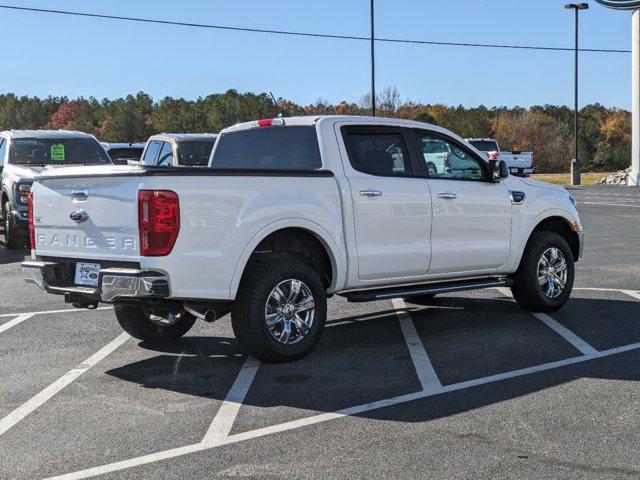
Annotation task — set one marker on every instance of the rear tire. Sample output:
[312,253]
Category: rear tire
[260,320]
[139,324]
[544,280]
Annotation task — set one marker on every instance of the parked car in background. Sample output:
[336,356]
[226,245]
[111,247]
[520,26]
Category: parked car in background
[179,149]
[519,163]
[290,211]
[124,153]
[26,153]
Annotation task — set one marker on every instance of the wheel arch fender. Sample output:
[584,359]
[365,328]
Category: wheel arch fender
[337,255]
[555,214]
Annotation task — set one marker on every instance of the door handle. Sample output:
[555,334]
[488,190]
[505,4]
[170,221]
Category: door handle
[371,193]
[447,195]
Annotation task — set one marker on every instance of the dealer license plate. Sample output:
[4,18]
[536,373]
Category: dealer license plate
[87,274]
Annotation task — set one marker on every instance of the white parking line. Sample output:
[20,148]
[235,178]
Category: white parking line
[426,373]
[68,310]
[567,334]
[630,205]
[324,417]
[223,422]
[12,323]
[39,399]
[557,327]
[632,293]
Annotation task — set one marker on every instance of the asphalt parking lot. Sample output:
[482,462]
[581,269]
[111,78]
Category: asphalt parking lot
[470,386]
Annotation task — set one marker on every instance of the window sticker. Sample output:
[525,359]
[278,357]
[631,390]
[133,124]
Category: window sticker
[57,152]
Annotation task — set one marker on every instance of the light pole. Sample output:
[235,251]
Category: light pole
[575,163]
[373,65]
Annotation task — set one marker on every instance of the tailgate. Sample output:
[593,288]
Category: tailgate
[517,160]
[87,217]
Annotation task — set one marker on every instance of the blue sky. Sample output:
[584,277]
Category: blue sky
[55,55]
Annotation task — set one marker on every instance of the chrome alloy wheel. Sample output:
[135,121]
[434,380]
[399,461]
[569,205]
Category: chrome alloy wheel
[552,272]
[289,311]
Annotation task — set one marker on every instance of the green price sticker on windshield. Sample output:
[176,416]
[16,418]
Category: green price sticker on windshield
[57,152]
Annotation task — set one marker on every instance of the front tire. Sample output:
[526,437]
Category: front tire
[11,241]
[280,309]
[151,328]
[544,280]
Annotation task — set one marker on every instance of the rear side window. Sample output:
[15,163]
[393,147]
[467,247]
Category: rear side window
[151,153]
[271,148]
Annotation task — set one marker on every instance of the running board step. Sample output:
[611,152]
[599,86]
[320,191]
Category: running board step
[429,289]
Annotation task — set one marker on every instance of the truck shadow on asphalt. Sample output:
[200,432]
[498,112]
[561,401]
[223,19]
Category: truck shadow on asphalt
[11,256]
[364,358]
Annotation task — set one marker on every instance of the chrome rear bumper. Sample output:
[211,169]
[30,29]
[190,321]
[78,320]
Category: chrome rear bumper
[113,283]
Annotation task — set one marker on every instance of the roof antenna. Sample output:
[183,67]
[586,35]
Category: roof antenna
[275,104]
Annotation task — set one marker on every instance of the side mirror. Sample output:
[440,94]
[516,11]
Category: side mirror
[499,170]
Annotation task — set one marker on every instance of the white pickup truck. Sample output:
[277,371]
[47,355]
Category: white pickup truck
[519,163]
[290,212]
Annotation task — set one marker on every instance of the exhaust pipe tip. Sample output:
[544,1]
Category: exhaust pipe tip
[210,316]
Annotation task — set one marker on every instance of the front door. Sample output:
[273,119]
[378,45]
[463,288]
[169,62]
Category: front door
[471,229]
[392,206]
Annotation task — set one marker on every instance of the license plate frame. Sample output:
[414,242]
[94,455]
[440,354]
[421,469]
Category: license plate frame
[87,274]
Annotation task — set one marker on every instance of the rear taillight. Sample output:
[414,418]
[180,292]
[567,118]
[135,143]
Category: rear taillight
[533,160]
[493,155]
[447,161]
[32,231]
[158,221]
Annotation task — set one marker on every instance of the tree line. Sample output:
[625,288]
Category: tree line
[547,130]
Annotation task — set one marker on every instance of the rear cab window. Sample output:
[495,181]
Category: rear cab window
[151,153]
[57,151]
[287,148]
[485,145]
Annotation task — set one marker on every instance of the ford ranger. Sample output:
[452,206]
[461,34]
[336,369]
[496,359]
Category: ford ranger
[289,212]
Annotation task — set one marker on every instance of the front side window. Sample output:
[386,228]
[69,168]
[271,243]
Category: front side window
[166,155]
[3,150]
[151,153]
[444,159]
[271,148]
[381,154]
[57,151]
[195,153]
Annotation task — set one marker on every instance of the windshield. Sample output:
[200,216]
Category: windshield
[195,153]
[57,151]
[275,148]
[485,145]
[125,153]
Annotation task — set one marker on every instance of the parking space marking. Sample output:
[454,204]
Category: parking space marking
[629,205]
[565,333]
[226,416]
[67,310]
[12,323]
[557,327]
[426,373]
[632,293]
[42,397]
[324,417]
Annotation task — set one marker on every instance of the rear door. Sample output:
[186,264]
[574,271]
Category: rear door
[471,228]
[392,207]
[105,209]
